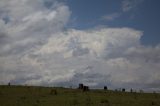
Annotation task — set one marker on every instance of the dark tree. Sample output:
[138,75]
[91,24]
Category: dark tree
[80,86]
[123,89]
[105,88]
[131,90]
[85,88]
[9,84]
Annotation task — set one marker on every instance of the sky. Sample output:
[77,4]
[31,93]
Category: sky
[67,42]
[138,14]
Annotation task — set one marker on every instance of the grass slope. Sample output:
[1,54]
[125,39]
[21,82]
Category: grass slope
[45,96]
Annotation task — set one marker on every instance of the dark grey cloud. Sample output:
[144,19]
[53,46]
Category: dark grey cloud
[80,51]
[3,38]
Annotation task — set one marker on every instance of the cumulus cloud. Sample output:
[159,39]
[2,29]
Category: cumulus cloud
[24,26]
[30,22]
[36,48]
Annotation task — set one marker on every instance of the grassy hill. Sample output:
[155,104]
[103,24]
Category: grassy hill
[47,96]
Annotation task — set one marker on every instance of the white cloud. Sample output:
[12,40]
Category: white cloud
[99,42]
[111,17]
[35,49]
[30,22]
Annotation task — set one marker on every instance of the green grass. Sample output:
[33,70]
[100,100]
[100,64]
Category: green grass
[45,96]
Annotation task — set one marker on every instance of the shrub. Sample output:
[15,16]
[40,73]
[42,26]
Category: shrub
[53,91]
[104,101]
